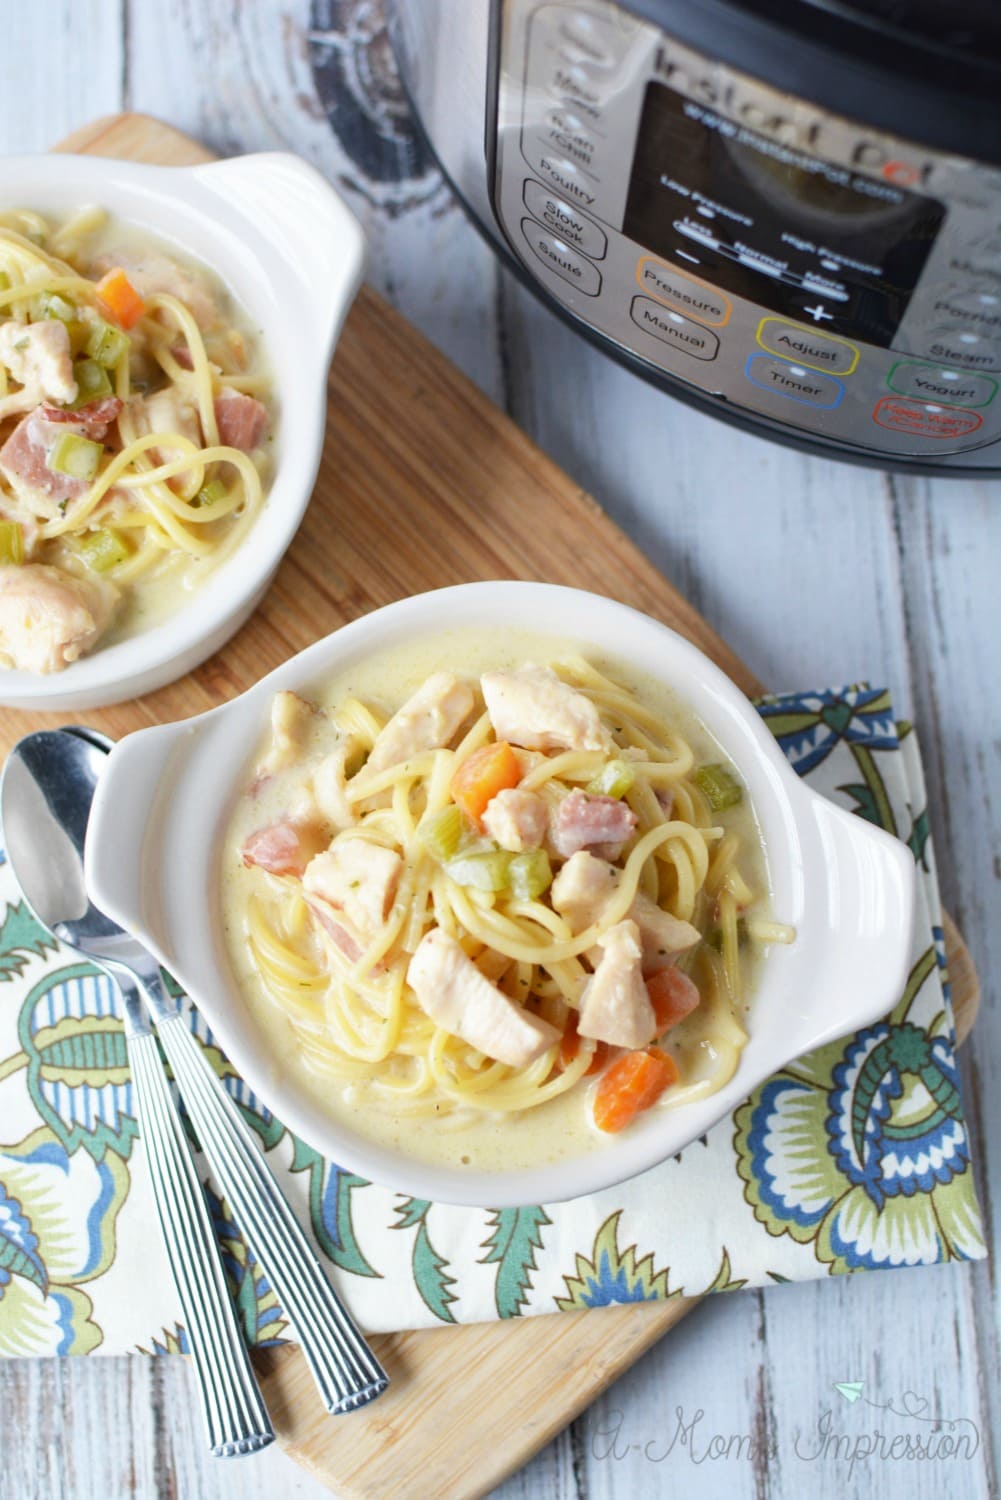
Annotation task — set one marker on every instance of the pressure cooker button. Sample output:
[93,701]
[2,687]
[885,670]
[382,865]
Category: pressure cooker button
[696,298]
[925,419]
[671,328]
[565,219]
[554,252]
[820,351]
[794,382]
[937,383]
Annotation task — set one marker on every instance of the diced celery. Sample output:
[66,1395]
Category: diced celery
[11,543]
[719,786]
[102,550]
[441,832]
[714,937]
[613,780]
[107,345]
[530,874]
[51,305]
[211,493]
[486,871]
[75,455]
[92,382]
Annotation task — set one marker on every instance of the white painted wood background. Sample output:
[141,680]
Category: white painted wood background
[817,573]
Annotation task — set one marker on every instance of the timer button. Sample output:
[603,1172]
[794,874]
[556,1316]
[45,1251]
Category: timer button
[937,383]
[561,258]
[805,346]
[794,382]
[671,328]
[565,220]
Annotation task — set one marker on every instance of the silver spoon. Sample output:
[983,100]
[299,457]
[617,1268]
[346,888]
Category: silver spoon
[60,770]
[44,802]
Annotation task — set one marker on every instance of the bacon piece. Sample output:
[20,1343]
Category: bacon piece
[94,419]
[24,464]
[241,420]
[584,821]
[283,848]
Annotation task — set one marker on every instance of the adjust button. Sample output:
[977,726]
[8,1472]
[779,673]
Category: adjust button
[923,419]
[671,328]
[937,383]
[689,295]
[821,351]
[565,219]
[794,382]
[555,253]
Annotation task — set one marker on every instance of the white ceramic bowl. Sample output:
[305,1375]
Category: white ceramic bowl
[291,253]
[153,863]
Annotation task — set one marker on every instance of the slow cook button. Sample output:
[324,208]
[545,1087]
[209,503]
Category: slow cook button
[565,219]
[804,346]
[671,328]
[555,253]
[794,382]
[921,419]
[689,295]
[936,383]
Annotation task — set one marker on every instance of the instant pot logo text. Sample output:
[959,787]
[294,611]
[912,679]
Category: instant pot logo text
[785,119]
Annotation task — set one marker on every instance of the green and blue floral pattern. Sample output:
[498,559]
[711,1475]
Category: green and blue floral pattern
[853,1158]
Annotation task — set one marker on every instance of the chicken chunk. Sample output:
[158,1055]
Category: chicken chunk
[358,878]
[615,1004]
[584,821]
[169,412]
[534,709]
[49,618]
[427,721]
[285,847]
[516,820]
[452,991]
[24,463]
[241,420]
[38,355]
[581,893]
[330,784]
[290,721]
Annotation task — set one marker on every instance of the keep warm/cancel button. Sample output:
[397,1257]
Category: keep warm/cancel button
[671,328]
[923,419]
[821,351]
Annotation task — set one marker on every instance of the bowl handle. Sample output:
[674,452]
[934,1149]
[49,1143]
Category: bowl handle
[869,917]
[311,230]
[125,806]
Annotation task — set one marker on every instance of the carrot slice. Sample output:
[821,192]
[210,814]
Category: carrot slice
[119,298]
[673,997]
[488,771]
[631,1085]
[570,1046]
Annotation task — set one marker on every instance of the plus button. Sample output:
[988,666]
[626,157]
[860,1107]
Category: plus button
[819,313]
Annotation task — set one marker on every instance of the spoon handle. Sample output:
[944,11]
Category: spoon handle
[232,1404]
[345,1370]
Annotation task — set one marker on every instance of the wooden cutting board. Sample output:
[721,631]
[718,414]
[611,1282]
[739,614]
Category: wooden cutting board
[425,483]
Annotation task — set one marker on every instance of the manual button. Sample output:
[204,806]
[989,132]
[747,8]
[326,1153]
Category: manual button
[565,220]
[554,252]
[671,328]
[689,295]
[821,351]
[938,383]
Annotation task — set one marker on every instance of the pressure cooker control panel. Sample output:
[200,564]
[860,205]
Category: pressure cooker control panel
[832,278]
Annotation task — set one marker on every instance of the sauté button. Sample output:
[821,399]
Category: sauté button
[794,382]
[937,383]
[804,346]
[921,419]
[565,219]
[697,299]
[671,328]
[555,253]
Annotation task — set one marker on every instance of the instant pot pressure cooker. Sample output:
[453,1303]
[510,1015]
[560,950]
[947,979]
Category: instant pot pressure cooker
[787,212]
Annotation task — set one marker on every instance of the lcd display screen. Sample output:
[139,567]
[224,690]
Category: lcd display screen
[817,241]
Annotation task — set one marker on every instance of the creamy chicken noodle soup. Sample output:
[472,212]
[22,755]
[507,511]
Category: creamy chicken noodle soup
[135,423]
[492,898]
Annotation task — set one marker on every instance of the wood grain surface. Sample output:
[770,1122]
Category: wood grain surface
[816,572]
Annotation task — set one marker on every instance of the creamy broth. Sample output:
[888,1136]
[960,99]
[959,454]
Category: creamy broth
[460,1136]
[109,339]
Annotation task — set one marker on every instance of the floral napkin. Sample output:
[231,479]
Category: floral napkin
[853,1158]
